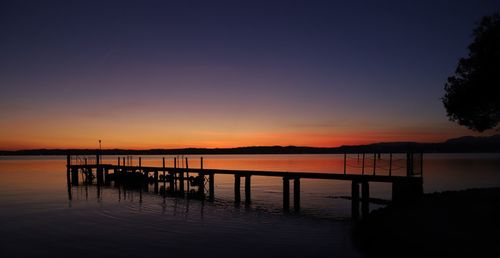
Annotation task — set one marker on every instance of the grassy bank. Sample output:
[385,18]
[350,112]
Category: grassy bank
[448,224]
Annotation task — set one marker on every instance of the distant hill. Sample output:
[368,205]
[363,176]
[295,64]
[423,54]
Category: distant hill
[456,145]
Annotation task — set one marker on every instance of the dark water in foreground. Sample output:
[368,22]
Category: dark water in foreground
[38,219]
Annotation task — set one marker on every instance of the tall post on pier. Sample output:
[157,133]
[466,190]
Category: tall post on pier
[286,194]
[355,200]
[296,193]
[237,187]
[140,162]
[247,189]
[365,198]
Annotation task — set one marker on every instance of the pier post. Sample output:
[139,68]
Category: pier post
[355,200]
[174,175]
[345,163]
[286,194]
[374,162]
[118,161]
[211,186]
[181,182]
[100,176]
[201,174]
[68,163]
[247,189]
[187,175]
[140,162]
[106,176]
[237,183]
[171,181]
[164,179]
[296,193]
[363,165]
[155,178]
[74,176]
[365,198]
[409,164]
[390,164]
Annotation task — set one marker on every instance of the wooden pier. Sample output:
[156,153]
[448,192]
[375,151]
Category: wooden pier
[200,182]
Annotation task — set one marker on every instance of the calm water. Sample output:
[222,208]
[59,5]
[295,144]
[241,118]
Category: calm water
[37,217]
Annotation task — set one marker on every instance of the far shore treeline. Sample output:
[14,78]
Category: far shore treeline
[467,144]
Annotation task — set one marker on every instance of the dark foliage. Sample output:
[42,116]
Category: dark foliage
[472,96]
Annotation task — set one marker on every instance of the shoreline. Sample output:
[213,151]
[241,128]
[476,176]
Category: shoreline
[446,224]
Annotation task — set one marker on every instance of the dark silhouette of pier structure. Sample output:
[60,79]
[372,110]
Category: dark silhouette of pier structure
[200,182]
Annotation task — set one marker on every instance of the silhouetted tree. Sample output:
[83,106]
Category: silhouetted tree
[472,94]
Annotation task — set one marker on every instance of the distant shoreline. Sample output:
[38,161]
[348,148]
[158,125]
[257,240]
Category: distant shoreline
[468,144]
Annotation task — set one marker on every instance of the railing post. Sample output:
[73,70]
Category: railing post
[374,162]
[345,163]
[390,164]
[363,166]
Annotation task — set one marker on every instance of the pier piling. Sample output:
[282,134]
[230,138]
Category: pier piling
[247,189]
[286,194]
[296,193]
[355,200]
[211,186]
[365,198]
[237,182]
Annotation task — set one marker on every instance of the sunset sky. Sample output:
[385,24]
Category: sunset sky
[170,74]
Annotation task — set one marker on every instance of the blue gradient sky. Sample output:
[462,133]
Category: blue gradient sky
[144,74]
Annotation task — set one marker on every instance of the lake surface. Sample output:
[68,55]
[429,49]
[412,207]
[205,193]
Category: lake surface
[40,216]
